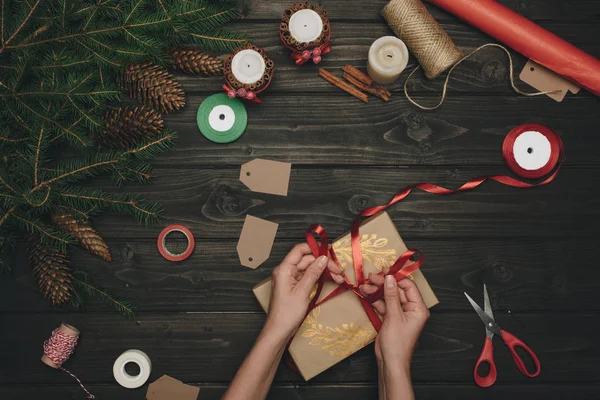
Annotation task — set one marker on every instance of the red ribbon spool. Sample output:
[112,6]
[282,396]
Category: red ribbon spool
[162,247]
[555,155]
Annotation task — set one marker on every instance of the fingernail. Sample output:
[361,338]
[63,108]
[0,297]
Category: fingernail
[322,261]
[390,281]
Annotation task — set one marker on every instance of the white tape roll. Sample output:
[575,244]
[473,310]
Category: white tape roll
[137,357]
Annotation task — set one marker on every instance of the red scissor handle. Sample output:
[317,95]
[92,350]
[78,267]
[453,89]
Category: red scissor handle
[512,342]
[486,356]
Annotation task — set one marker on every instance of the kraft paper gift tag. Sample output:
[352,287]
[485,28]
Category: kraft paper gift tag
[265,176]
[168,388]
[256,241]
[545,80]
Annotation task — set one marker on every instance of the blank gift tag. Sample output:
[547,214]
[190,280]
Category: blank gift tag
[545,80]
[256,241]
[266,176]
[167,388]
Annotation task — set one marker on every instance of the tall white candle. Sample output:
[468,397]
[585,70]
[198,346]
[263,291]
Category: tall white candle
[388,56]
[248,66]
[305,25]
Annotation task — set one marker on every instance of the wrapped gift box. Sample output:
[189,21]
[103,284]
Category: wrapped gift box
[340,327]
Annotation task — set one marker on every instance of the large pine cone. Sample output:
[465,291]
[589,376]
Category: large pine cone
[195,62]
[87,236]
[127,126]
[153,86]
[52,272]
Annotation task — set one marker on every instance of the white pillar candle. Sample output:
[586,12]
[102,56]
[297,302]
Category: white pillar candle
[248,66]
[388,56]
[305,25]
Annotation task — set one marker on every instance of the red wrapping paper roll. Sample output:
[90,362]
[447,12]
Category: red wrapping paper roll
[529,39]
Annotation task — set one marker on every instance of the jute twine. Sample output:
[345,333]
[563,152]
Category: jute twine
[426,39]
[445,88]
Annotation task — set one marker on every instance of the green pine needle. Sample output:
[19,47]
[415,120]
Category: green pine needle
[85,286]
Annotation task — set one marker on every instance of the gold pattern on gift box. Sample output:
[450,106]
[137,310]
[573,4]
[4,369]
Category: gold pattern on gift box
[340,341]
[373,250]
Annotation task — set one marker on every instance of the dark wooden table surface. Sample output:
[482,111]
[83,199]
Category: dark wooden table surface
[536,248]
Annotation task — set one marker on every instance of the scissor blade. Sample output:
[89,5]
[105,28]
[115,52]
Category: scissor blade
[487,307]
[490,325]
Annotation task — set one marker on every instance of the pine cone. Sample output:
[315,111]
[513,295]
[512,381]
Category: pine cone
[127,126]
[195,62]
[87,236]
[52,272]
[153,86]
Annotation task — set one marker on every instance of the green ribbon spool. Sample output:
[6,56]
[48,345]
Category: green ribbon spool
[221,119]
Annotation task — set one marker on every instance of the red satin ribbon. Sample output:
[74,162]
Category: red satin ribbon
[405,265]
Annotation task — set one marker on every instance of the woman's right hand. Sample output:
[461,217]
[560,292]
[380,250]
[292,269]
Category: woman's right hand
[404,316]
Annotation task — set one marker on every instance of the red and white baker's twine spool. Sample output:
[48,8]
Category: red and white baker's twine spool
[162,246]
[58,348]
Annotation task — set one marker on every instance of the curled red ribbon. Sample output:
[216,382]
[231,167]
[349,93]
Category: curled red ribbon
[405,264]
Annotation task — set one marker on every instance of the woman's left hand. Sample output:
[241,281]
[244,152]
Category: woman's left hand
[293,281]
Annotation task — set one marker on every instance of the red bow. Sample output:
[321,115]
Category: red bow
[314,54]
[241,93]
[397,270]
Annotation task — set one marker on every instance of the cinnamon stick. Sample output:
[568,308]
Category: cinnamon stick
[362,86]
[358,74]
[337,82]
[364,78]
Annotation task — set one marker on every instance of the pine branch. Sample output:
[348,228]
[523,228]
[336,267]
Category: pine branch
[84,282]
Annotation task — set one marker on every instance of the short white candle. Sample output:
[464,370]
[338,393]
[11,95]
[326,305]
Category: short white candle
[305,25]
[248,66]
[388,56]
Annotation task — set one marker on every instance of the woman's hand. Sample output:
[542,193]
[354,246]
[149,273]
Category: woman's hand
[293,282]
[404,316]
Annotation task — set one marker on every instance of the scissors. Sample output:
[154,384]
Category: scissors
[510,340]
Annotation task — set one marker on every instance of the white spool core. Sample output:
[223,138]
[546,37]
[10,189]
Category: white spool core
[305,25]
[221,118]
[532,150]
[248,66]
[137,357]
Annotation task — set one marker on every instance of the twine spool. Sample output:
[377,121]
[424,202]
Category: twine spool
[426,39]
[59,347]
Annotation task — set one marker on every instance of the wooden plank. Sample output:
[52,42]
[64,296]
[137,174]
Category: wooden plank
[521,275]
[356,10]
[311,391]
[340,130]
[210,347]
[213,203]
[486,72]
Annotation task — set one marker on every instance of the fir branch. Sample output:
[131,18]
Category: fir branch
[7,41]
[7,214]
[47,234]
[83,281]
[62,128]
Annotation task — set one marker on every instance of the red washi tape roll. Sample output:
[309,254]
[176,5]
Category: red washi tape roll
[532,151]
[162,248]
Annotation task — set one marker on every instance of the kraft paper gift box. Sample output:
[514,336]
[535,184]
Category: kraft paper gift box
[340,327]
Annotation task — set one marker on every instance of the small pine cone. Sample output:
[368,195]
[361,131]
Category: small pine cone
[195,62]
[87,236]
[127,126]
[52,272]
[153,86]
